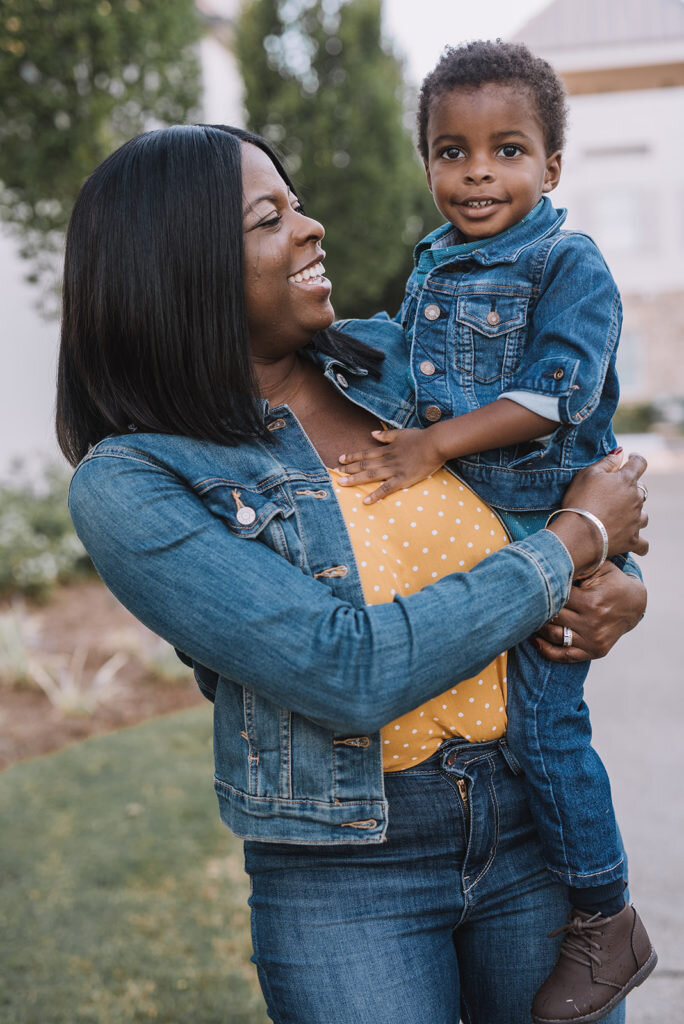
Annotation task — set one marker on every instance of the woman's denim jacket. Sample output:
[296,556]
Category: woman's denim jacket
[240,557]
[536,310]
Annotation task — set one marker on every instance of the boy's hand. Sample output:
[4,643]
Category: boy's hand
[407,457]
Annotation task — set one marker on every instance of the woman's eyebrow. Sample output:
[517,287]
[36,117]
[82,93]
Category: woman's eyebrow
[270,197]
[251,203]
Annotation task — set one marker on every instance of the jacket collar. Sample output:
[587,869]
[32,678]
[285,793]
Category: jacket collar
[503,248]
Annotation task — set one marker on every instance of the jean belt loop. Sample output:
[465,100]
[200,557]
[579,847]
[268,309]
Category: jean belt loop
[453,750]
[509,757]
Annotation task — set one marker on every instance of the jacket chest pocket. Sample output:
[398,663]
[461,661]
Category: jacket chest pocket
[489,335]
[253,513]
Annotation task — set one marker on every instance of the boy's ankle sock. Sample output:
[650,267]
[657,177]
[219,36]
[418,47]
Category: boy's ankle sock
[605,899]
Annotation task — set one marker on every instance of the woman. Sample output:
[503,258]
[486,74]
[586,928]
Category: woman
[193,281]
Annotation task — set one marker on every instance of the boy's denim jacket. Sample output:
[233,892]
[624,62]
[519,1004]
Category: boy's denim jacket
[536,310]
[240,557]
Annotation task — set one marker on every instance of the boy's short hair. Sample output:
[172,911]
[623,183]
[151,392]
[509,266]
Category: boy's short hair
[485,61]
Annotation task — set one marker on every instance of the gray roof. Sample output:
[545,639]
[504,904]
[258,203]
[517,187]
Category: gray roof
[576,24]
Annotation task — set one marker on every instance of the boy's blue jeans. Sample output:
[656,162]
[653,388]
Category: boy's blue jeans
[445,921]
[550,734]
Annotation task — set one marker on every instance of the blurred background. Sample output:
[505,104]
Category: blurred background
[121,919]
[333,84]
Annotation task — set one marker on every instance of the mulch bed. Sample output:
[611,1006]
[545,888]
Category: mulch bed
[86,615]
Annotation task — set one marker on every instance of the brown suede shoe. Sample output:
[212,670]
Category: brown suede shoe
[601,959]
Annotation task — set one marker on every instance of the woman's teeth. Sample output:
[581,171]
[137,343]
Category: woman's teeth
[308,274]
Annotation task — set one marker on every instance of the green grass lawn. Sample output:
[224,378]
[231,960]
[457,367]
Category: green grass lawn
[122,897]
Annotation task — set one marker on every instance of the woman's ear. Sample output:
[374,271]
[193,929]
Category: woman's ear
[553,171]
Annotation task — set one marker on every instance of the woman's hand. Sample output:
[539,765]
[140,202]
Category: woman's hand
[613,493]
[599,611]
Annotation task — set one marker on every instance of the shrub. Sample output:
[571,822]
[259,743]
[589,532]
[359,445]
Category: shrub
[635,418]
[38,545]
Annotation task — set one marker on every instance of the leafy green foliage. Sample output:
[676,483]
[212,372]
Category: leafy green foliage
[321,84]
[125,899]
[78,78]
[38,545]
[634,418]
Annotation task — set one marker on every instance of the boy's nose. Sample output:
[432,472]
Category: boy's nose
[476,173]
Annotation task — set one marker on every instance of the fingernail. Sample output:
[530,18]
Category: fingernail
[343,479]
[616,451]
[536,644]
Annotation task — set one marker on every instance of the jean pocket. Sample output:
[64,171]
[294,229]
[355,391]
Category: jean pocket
[246,510]
[489,331]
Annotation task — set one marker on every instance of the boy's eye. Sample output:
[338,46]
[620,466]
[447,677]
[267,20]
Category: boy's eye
[510,150]
[452,153]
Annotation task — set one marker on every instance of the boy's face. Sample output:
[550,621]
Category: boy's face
[487,165]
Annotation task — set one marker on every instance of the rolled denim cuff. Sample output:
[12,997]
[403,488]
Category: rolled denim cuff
[554,564]
[542,405]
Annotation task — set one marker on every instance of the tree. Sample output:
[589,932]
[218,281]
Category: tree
[78,78]
[321,83]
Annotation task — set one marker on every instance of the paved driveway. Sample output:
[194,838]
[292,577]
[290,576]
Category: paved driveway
[637,701]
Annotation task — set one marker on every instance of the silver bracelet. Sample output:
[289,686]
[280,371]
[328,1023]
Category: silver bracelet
[599,526]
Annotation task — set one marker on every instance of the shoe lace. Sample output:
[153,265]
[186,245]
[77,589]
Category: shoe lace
[580,942]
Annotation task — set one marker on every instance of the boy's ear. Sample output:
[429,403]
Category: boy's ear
[426,165]
[553,171]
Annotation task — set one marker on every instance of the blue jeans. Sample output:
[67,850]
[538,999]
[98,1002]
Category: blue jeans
[567,785]
[550,734]
[445,921]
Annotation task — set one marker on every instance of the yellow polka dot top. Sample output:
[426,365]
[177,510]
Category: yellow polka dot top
[402,543]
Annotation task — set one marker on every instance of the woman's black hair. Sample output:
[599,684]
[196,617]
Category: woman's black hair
[485,61]
[154,328]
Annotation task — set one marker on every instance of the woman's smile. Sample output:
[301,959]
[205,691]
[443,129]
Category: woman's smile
[287,296]
[312,275]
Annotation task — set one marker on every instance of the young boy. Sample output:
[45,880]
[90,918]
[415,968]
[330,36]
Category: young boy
[513,325]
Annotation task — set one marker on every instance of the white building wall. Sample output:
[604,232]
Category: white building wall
[28,357]
[221,84]
[623,183]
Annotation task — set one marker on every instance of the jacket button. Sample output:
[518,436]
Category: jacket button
[493,318]
[246,515]
[341,380]
[427,367]
[432,312]
[433,413]
[559,373]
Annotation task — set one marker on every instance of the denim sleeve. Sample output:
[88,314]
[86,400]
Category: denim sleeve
[573,330]
[241,610]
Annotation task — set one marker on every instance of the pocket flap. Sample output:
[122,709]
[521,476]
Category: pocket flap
[554,376]
[245,510]
[491,314]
